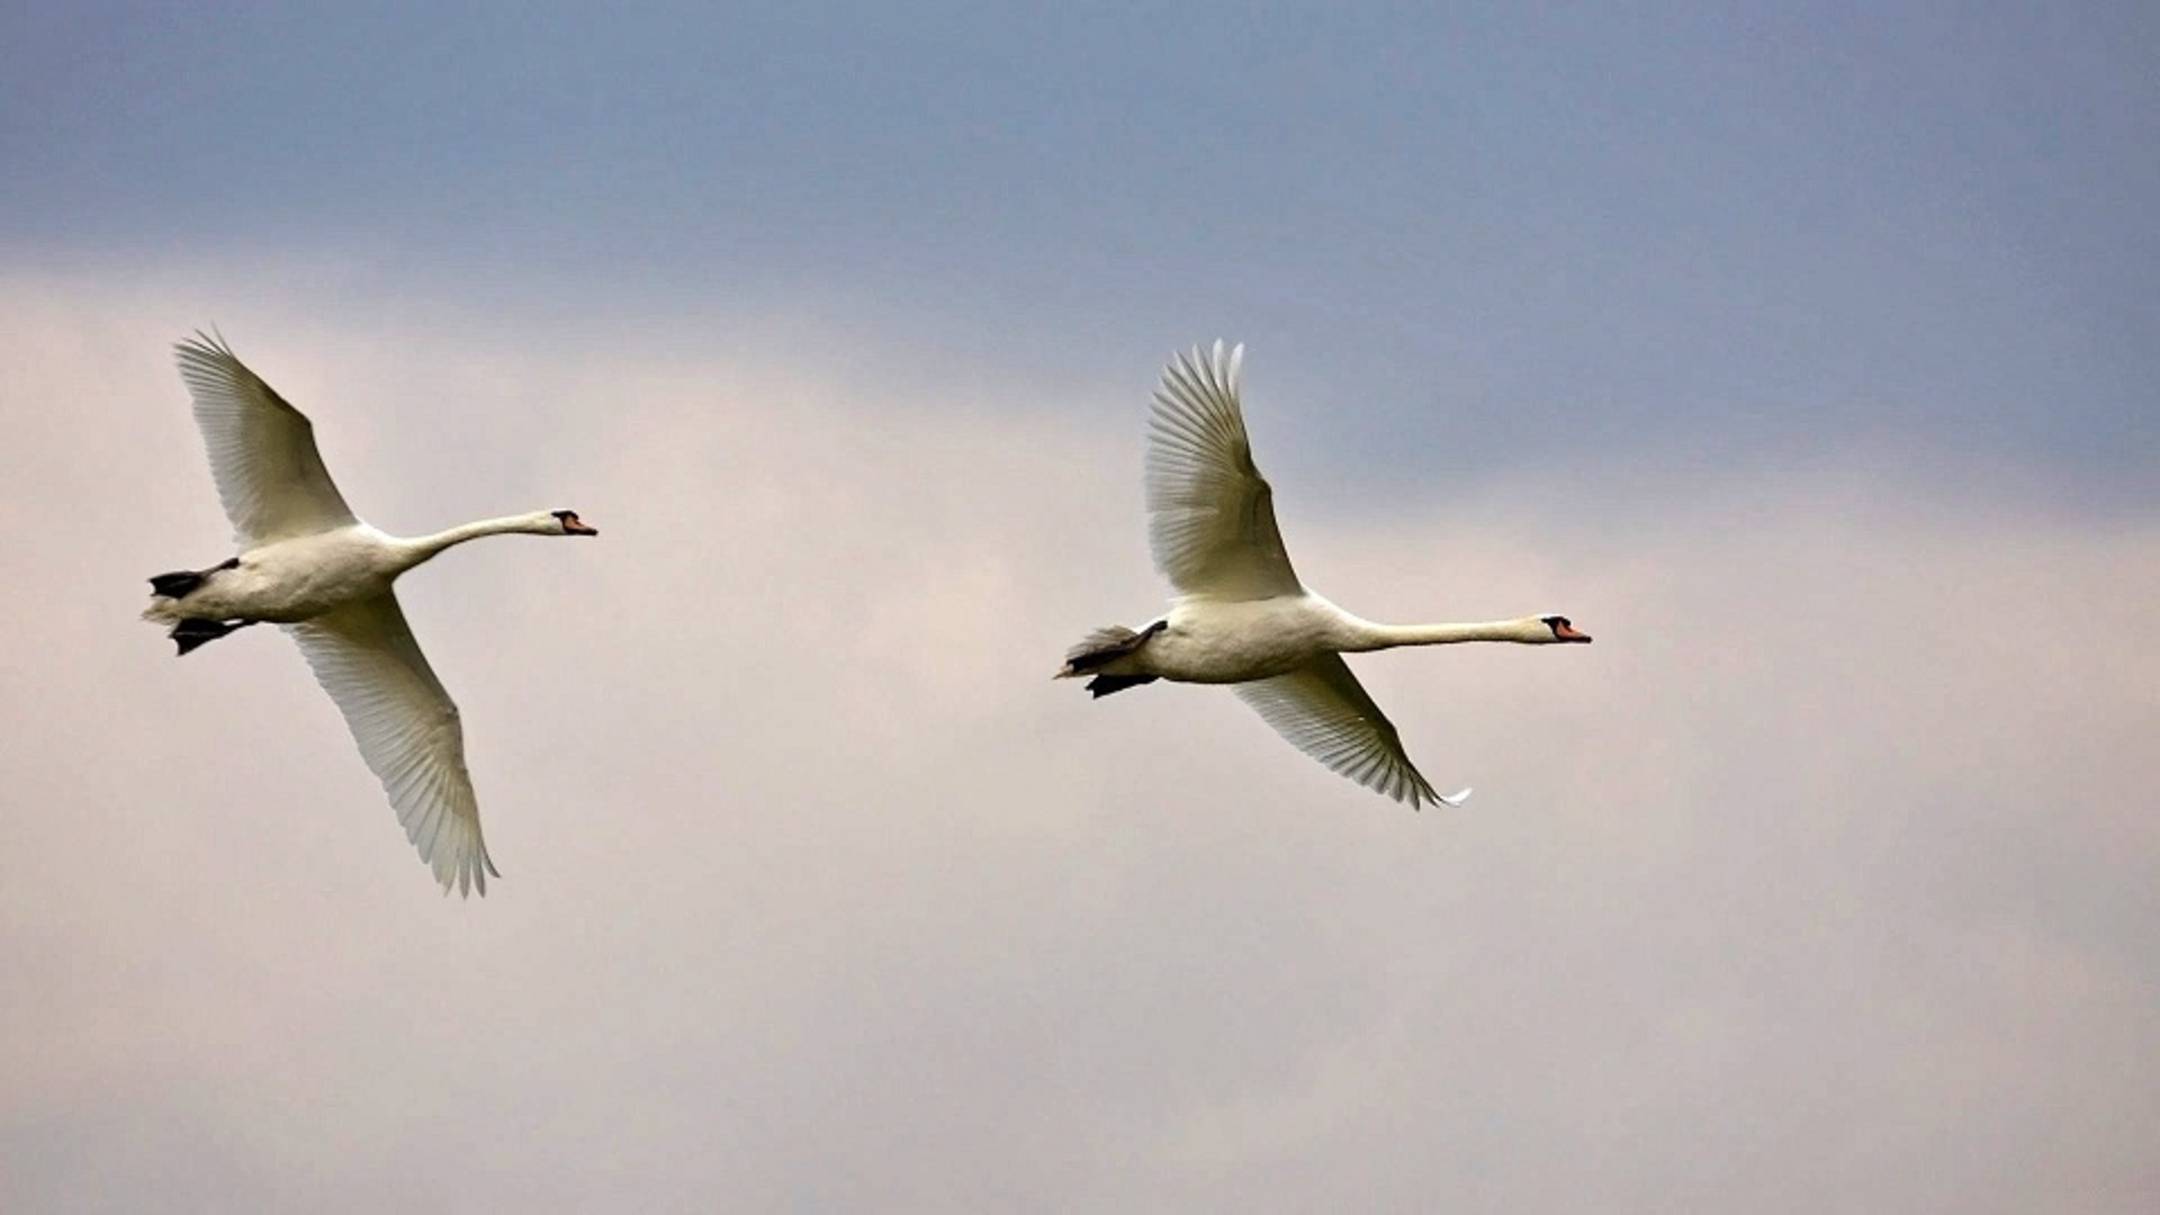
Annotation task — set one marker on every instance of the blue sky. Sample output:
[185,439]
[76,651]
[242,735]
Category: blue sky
[1499,232]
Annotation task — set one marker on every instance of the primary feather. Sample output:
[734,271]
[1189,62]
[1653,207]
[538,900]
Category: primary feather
[269,475]
[407,728]
[1211,515]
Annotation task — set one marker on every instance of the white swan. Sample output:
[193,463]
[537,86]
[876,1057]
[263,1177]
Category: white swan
[305,562]
[1241,616]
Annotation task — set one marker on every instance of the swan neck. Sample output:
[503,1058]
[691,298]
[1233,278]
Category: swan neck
[424,547]
[1388,636]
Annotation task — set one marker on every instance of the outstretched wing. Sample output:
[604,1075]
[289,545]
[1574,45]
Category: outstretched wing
[1324,712]
[1211,515]
[364,655]
[262,450]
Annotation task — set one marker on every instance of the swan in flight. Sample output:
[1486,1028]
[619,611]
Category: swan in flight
[307,563]
[1240,615]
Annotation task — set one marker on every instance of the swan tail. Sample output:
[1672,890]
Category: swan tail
[1103,647]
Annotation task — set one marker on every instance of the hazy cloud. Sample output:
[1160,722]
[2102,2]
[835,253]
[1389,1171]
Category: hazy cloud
[1822,881]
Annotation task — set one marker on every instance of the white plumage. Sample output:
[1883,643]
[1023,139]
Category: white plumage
[307,563]
[1321,709]
[1241,616]
[1211,515]
[408,730]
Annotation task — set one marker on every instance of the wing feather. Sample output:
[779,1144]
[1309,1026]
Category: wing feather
[1322,710]
[408,730]
[1211,515]
[262,452]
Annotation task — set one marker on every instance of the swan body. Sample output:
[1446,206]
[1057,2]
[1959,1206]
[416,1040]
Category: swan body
[288,581]
[1233,641]
[1242,617]
[1238,641]
[305,562]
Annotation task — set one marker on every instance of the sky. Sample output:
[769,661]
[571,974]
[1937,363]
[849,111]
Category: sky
[1806,359]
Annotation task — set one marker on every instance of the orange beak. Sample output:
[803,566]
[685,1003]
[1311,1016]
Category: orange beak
[1568,632]
[576,527]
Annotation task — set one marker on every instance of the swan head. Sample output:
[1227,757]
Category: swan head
[1560,629]
[571,525]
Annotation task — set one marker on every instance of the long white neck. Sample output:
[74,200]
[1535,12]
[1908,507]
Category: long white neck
[1366,635]
[538,523]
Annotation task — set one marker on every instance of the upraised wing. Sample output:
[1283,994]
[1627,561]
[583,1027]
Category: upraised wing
[1211,515]
[262,450]
[1324,712]
[364,655]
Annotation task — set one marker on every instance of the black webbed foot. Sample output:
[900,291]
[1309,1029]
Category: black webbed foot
[182,583]
[193,634]
[177,585]
[1104,685]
